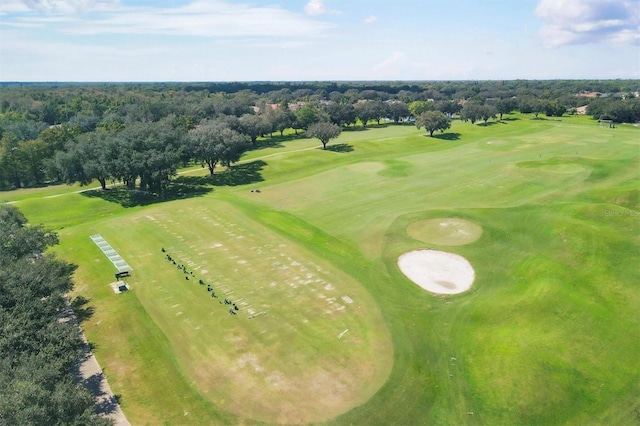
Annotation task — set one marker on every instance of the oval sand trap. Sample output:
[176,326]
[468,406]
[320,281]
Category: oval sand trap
[437,271]
[445,231]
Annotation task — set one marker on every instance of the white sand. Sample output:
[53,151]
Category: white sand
[437,271]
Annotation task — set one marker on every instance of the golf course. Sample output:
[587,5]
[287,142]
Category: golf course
[277,291]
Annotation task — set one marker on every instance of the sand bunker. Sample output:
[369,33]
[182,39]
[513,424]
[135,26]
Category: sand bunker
[445,231]
[437,271]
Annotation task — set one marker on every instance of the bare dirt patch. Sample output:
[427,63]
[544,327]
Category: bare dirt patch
[437,271]
[445,231]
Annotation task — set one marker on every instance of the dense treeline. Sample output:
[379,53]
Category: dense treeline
[37,350]
[447,88]
[140,134]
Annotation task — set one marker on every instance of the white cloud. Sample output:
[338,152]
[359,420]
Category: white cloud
[215,18]
[589,21]
[370,19]
[317,7]
[61,6]
[12,6]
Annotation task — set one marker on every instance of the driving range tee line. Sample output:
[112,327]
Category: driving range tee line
[111,254]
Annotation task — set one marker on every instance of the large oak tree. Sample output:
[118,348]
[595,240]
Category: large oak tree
[432,121]
[214,142]
[325,132]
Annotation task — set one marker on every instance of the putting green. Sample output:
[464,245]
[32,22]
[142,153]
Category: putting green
[445,231]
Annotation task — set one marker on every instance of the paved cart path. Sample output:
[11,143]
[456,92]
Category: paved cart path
[90,375]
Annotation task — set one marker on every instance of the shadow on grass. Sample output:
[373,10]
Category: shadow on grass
[81,309]
[510,119]
[181,187]
[450,136]
[340,147]
[490,123]
[240,174]
[275,141]
[546,118]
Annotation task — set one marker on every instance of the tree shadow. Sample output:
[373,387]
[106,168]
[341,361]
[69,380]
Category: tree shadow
[239,174]
[179,188]
[105,404]
[450,136]
[340,147]
[81,308]
[369,126]
[490,123]
[274,141]
[510,119]
[357,128]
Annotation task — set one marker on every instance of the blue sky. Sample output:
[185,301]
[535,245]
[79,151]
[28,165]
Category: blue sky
[248,40]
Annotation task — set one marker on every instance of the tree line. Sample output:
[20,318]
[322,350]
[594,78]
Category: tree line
[140,134]
[38,350]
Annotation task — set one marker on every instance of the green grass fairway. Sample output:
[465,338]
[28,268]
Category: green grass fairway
[328,328]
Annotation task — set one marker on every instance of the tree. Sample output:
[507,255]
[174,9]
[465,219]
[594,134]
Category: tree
[281,118]
[306,116]
[37,350]
[365,112]
[213,142]
[432,121]
[18,239]
[92,157]
[34,152]
[341,114]
[148,151]
[471,112]
[554,109]
[85,123]
[55,137]
[418,107]
[448,107]
[325,132]
[379,110]
[11,160]
[397,111]
[26,130]
[537,107]
[506,106]
[254,125]
[526,104]
[487,112]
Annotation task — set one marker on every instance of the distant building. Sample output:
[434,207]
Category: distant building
[581,110]
[585,94]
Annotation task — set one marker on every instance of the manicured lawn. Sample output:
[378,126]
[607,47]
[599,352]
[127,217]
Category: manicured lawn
[548,333]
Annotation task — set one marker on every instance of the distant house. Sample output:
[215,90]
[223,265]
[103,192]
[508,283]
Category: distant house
[294,106]
[257,109]
[585,94]
[581,110]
